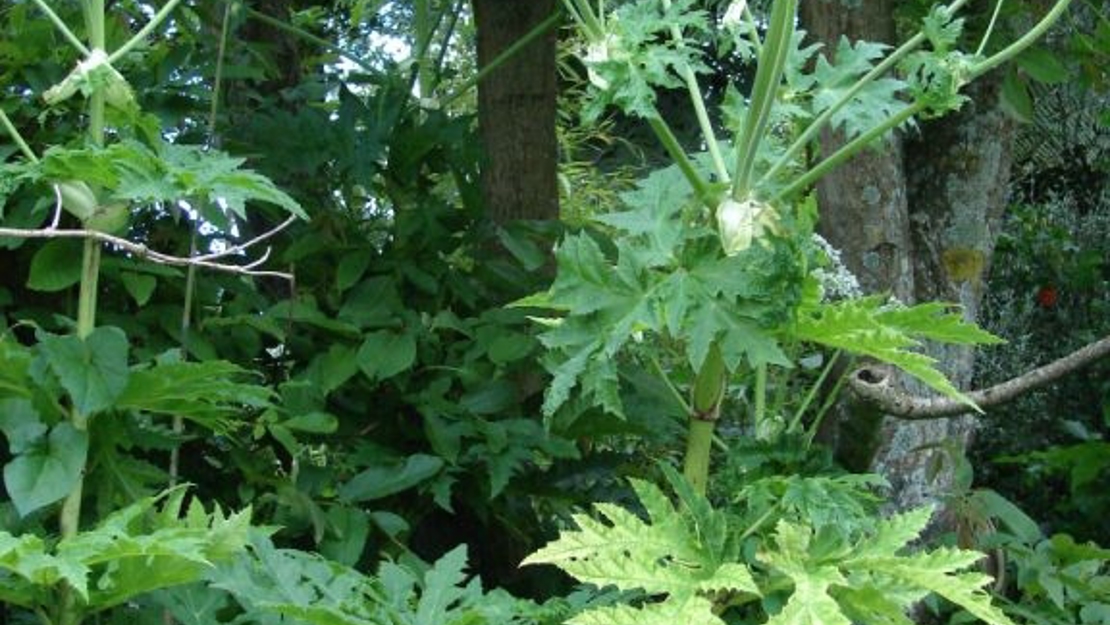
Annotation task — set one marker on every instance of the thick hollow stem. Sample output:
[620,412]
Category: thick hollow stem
[768,75]
[699,441]
[709,388]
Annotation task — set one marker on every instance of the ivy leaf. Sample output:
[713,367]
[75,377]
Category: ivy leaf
[46,473]
[15,360]
[93,370]
[140,286]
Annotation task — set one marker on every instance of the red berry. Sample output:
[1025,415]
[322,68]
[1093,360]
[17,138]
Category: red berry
[1047,296]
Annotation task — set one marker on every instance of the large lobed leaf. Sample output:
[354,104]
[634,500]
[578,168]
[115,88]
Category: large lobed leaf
[868,328]
[131,552]
[209,393]
[878,578]
[663,555]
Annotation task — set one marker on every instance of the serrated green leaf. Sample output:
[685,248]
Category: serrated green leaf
[655,215]
[442,587]
[168,552]
[26,557]
[810,603]
[45,474]
[660,555]
[691,610]
[214,393]
[861,326]
[869,106]
[93,370]
[56,266]
[193,604]
[936,321]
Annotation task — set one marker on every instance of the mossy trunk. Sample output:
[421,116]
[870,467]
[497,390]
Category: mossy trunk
[915,218]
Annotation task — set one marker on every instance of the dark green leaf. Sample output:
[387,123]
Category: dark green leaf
[313,423]
[348,529]
[1043,65]
[47,473]
[21,424]
[55,266]
[140,286]
[384,354]
[382,481]
[93,370]
[1016,99]
[351,267]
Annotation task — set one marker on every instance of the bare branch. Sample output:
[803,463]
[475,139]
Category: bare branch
[207,261]
[875,384]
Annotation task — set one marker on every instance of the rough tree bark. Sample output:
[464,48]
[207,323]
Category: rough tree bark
[516,111]
[916,218]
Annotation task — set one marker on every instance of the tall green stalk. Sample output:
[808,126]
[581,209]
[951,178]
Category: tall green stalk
[709,390]
[70,516]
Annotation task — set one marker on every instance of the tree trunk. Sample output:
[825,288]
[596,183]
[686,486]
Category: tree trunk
[516,111]
[916,218]
[958,176]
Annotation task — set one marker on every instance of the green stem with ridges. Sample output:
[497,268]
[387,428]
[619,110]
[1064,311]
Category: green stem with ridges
[848,150]
[768,76]
[18,138]
[685,165]
[148,28]
[61,26]
[698,102]
[1022,43]
[699,442]
[709,389]
[540,29]
[69,519]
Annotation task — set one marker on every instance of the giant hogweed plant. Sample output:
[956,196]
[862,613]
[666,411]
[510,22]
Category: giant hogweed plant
[709,271]
[65,399]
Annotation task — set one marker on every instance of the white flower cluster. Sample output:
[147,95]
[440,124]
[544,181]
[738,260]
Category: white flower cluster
[836,281]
